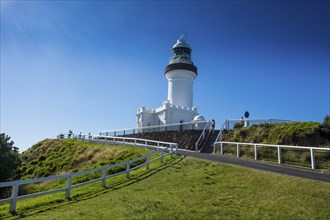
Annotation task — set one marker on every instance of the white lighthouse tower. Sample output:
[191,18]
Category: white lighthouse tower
[178,108]
[180,74]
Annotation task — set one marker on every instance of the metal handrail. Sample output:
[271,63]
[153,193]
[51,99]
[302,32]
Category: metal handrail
[202,136]
[220,132]
[154,127]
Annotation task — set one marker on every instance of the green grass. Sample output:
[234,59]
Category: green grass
[186,188]
[56,156]
[298,133]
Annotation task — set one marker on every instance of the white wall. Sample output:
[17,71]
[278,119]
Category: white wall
[180,87]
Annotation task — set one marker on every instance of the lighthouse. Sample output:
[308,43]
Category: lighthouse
[178,108]
[180,73]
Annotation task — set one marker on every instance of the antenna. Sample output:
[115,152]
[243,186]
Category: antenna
[183,36]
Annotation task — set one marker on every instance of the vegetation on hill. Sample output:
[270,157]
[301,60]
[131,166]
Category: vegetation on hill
[58,156]
[298,133]
[186,188]
[312,134]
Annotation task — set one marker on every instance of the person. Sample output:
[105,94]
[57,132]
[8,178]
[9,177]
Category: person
[212,125]
[70,134]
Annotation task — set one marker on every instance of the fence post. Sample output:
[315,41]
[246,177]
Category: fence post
[68,187]
[176,149]
[221,148]
[255,152]
[104,178]
[312,158]
[128,167]
[14,193]
[145,145]
[162,157]
[171,151]
[148,162]
[135,142]
[279,154]
[238,150]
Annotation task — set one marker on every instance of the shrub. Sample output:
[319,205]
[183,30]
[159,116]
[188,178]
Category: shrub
[299,133]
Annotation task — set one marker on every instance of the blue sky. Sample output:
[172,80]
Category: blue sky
[87,66]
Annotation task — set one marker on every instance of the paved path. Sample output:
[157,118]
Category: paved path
[260,165]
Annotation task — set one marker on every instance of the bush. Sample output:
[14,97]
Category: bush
[299,133]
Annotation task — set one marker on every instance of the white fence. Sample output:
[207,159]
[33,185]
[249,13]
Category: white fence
[219,146]
[116,140]
[162,148]
[194,125]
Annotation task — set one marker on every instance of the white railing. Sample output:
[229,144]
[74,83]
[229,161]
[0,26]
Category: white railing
[202,136]
[116,140]
[221,144]
[228,124]
[163,148]
[194,125]
[219,137]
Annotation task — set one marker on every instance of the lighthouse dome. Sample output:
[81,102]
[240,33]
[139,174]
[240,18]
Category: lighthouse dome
[181,42]
[199,118]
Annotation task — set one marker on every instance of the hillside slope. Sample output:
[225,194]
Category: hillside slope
[298,133]
[56,156]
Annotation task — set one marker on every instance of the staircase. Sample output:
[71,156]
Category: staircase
[207,146]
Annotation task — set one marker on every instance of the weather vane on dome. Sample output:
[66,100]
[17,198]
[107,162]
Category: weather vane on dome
[183,36]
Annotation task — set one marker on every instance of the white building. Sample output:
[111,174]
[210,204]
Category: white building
[178,108]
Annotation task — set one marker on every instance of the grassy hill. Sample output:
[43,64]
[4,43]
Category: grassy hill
[299,134]
[186,188]
[58,156]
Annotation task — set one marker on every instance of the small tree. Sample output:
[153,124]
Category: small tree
[9,158]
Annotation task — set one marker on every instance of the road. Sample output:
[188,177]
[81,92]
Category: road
[261,165]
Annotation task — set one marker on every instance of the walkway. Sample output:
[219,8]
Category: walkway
[260,165]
